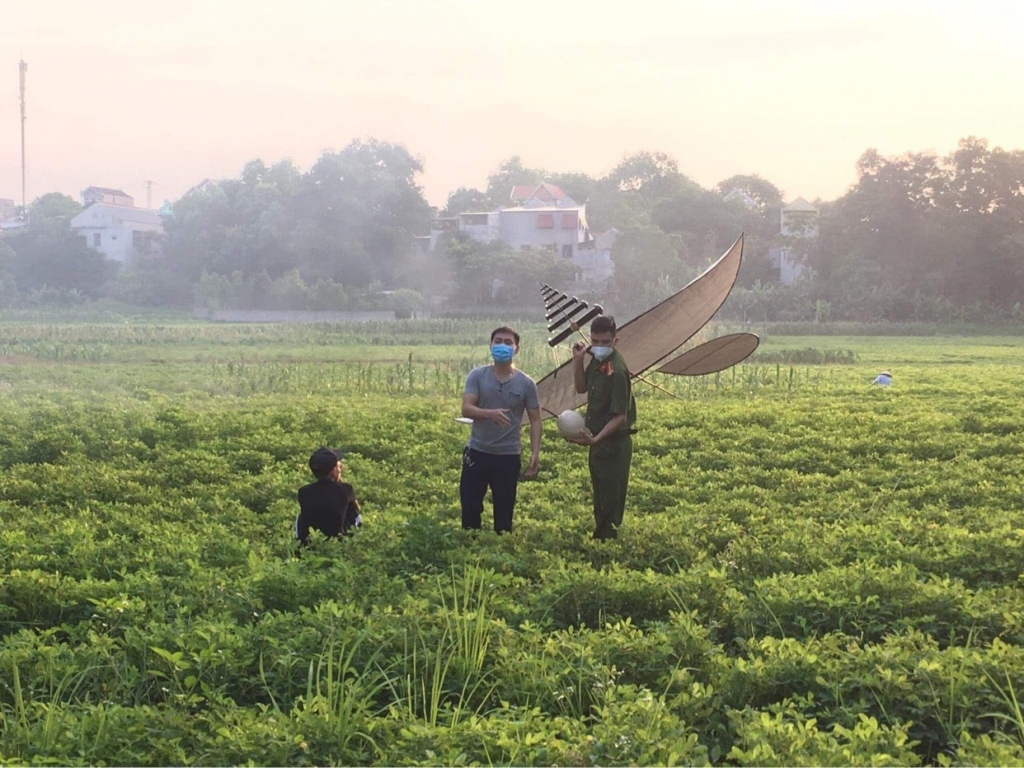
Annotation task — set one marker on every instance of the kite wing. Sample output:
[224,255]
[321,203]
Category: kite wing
[713,356]
[654,335]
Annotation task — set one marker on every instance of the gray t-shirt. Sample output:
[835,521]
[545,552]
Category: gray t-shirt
[514,396]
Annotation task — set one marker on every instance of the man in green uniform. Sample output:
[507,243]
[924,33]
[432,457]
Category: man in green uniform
[611,413]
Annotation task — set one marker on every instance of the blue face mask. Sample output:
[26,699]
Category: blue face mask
[502,353]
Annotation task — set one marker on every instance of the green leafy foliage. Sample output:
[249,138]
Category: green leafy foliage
[812,571]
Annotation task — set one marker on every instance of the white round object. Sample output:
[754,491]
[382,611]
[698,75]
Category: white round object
[571,424]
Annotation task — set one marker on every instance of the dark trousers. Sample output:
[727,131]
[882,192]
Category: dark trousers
[609,474]
[483,470]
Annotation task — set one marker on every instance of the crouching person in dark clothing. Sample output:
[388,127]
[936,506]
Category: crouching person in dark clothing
[328,505]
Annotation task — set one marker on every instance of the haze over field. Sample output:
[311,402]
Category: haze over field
[793,91]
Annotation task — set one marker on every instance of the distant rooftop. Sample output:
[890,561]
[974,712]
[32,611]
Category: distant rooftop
[124,213]
[203,186]
[800,205]
[544,193]
[106,191]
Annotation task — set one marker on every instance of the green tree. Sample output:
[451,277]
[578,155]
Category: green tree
[8,285]
[887,218]
[349,220]
[509,174]
[474,268]
[579,186]
[647,256]
[53,212]
[654,174]
[521,273]
[47,255]
[358,210]
[766,196]
[936,229]
[405,302]
[465,200]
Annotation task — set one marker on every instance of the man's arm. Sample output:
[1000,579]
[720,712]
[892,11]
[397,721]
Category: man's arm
[301,528]
[471,410]
[619,409]
[614,425]
[579,376]
[535,433]
[353,513]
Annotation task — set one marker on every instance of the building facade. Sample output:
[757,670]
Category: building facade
[798,227]
[540,216]
[119,232]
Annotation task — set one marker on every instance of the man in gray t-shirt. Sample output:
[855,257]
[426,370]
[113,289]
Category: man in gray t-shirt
[495,397]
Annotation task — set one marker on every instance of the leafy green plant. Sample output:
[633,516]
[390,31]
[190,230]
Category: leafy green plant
[811,570]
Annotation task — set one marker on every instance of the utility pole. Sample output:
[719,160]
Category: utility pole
[149,193]
[22,69]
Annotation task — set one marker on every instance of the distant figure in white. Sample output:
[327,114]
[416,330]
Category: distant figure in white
[884,379]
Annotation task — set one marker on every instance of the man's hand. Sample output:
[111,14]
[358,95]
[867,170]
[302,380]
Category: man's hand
[532,469]
[500,417]
[579,377]
[584,438]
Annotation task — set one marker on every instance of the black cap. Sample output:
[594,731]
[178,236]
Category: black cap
[324,459]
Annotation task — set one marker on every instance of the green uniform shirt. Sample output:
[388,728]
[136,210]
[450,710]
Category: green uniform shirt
[609,393]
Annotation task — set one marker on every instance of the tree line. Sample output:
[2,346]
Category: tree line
[918,236]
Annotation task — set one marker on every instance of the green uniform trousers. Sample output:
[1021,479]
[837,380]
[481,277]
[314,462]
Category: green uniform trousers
[609,474]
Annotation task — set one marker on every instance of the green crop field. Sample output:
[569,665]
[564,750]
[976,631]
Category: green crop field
[812,570]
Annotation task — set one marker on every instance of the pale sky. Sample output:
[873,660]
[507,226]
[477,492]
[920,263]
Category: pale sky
[121,91]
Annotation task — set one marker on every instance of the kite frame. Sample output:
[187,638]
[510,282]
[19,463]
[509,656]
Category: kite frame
[651,337]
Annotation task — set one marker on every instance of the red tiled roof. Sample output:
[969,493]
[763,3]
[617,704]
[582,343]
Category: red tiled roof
[523,191]
[550,192]
[544,192]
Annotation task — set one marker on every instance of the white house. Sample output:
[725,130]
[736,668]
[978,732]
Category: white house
[799,221]
[9,216]
[482,227]
[542,216]
[8,210]
[119,232]
[560,230]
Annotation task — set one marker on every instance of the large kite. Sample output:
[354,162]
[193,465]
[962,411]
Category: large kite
[651,338]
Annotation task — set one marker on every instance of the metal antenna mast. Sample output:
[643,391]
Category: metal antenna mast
[149,193]
[22,69]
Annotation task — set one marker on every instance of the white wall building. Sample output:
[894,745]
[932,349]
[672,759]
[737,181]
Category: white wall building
[117,231]
[799,221]
[9,216]
[593,260]
[542,216]
[560,230]
[482,227]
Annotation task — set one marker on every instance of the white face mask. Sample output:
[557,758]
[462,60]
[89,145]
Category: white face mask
[601,352]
